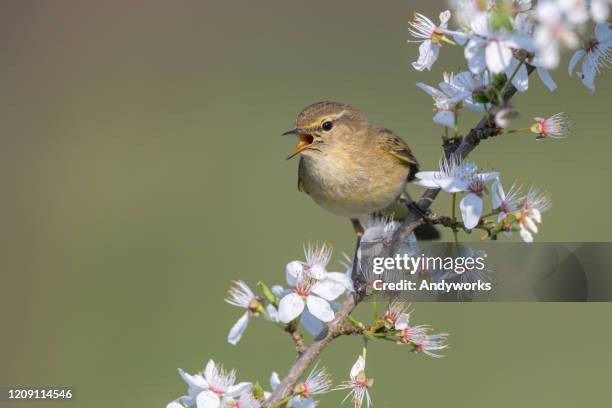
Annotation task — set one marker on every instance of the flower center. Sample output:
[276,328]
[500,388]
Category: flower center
[391,316]
[302,291]
[406,335]
[543,127]
[476,185]
[591,46]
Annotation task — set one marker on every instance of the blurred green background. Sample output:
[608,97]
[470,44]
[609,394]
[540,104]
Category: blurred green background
[142,170]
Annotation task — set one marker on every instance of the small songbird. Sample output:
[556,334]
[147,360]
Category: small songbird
[350,166]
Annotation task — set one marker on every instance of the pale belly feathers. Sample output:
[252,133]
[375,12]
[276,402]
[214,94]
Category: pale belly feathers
[346,187]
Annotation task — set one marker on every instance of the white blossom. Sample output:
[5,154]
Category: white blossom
[556,126]
[536,202]
[409,334]
[318,382]
[506,202]
[468,10]
[466,84]
[451,177]
[471,205]
[455,176]
[596,55]
[600,10]
[524,24]
[431,37]
[488,49]
[444,105]
[213,388]
[358,385]
[558,21]
[242,296]
[313,294]
[431,343]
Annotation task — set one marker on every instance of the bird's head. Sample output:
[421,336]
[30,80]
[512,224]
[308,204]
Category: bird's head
[325,125]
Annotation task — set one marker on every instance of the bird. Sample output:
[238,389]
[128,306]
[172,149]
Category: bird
[350,166]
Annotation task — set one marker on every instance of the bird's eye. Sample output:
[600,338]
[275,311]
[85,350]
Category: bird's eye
[327,126]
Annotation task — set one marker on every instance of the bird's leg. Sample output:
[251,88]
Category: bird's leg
[357,227]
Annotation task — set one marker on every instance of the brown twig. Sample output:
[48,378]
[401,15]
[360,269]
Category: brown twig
[448,222]
[296,336]
[462,147]
[485,129]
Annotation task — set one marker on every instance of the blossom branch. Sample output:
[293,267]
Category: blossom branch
[454,224]
[485,129]
[296,336]
[334,330]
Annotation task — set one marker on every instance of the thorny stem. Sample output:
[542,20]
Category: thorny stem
[413,220]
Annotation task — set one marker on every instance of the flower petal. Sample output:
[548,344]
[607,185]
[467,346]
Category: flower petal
[526,235]
[312,325]
[444,17]
[430,90]
[342,278]
[240,388]
[293,272]
[475,56]
[320,308]
[497,195]
[453,184]
[297,402]
[239,327]
[272,312]
[274,380]
[358,367]
[521,79]
[328,289]
[546,78]
[402,322]
[290,307]
[194,381]
[279,291]
[207,399]
[428,54]
[210,371]
[471,210]
[498,56]
[529,224]
[575,59]
[445,118]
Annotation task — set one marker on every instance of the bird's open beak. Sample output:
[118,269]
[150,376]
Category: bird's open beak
[304,143]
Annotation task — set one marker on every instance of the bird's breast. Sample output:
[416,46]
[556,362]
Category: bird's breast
[350,185]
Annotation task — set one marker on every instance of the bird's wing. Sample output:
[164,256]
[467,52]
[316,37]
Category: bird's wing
[396,147]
